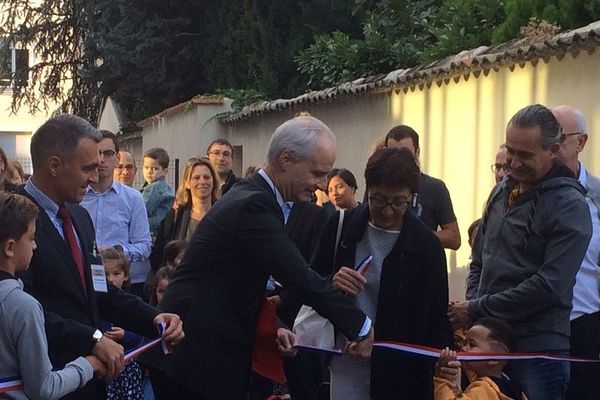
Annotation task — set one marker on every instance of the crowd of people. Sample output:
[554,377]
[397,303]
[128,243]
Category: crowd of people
[91,266]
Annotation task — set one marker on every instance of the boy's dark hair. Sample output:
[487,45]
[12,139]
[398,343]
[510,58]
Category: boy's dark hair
[472,231]
[109,135]
[500,331]
[162,273]
[222,142]
[159,155]
[172,249]
[16,213]
[122,262]
[393,168]
[346,176]
[402,132]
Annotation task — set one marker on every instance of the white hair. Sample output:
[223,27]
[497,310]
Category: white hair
[298,136]
[580,118]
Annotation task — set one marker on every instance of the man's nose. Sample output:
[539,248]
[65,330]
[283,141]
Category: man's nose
[93,176]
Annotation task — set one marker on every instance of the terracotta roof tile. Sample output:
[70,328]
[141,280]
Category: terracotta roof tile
[483,58]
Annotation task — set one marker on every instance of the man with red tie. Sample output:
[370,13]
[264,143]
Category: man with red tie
[64,154]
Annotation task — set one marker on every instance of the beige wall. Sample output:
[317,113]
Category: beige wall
[16,130]
[186,133]
[461,124]
[108,119]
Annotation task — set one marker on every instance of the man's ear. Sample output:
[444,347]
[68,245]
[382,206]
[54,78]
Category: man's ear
[285,159]
[581,141]
[54,163]
[554,149]
[165,171]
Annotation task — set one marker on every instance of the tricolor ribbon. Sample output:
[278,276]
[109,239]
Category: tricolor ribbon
[432,352]
[364,266]
[16,383]
[467,356]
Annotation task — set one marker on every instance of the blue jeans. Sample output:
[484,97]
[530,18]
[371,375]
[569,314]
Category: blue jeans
[541,379]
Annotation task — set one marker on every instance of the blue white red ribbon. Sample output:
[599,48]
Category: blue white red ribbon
[16,383]
[364,266]
[466,356]
[432,352]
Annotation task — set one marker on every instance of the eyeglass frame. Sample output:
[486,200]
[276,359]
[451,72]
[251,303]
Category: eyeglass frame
[129,167]
[403,206]
[107,153]
[564,136]
[496,167]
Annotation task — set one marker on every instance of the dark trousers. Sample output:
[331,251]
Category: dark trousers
[585,342]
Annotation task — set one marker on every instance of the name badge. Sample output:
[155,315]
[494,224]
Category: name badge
[99,278]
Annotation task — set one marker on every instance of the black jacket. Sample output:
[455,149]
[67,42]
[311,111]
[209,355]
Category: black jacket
[412,302]
[175,222]
[72,315]
[219,287]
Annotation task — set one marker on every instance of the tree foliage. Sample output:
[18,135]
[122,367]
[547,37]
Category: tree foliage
[58,30]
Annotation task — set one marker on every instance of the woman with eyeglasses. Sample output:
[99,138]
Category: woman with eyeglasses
[341,188]
[194,198]
[404,290]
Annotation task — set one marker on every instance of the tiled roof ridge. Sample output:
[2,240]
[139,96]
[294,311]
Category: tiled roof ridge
[480,59]
[181,106]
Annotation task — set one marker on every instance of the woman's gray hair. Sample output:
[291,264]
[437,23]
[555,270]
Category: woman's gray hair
[298,136]
[538,115]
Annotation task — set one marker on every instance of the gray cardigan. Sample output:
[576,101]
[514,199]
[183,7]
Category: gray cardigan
[525,260]
[24,349]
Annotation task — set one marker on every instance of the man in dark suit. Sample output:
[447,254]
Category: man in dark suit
[219,287]
[64,153]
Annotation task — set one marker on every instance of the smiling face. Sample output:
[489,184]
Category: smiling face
[301,178]
[200,183]
[73,174]
[527,159]
[125,170]
[221,157]
[387,206]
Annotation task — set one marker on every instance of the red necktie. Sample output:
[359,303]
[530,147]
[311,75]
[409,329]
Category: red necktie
[69,231]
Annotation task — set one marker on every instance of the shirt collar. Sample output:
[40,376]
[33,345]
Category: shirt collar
[278,196]
[49,205]
[582,174]
[114,186]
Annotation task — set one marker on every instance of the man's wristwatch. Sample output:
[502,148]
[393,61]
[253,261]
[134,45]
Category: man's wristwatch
[363,337]
[97,335]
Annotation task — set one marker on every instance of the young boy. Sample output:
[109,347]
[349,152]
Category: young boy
[488,335]
[24,349]
[158,194]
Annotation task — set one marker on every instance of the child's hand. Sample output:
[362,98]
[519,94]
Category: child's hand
[117,334]
[447,366]
[97,365]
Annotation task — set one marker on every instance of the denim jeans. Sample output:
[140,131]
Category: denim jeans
[541,379]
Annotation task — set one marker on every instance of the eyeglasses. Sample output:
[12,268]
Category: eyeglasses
[564,136]
[107,153]
[497,167]
[218,153]
[128,167]
[396,204]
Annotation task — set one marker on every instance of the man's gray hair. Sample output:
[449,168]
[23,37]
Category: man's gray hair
[540,116]
[59,136]
[298,136]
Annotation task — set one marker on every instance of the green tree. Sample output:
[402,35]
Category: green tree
[58,31]
[568,14]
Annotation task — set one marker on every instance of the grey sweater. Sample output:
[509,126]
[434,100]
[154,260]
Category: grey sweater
[525,260]
[24,349]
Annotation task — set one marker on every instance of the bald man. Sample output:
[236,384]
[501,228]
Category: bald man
[585,315]
[125,169]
